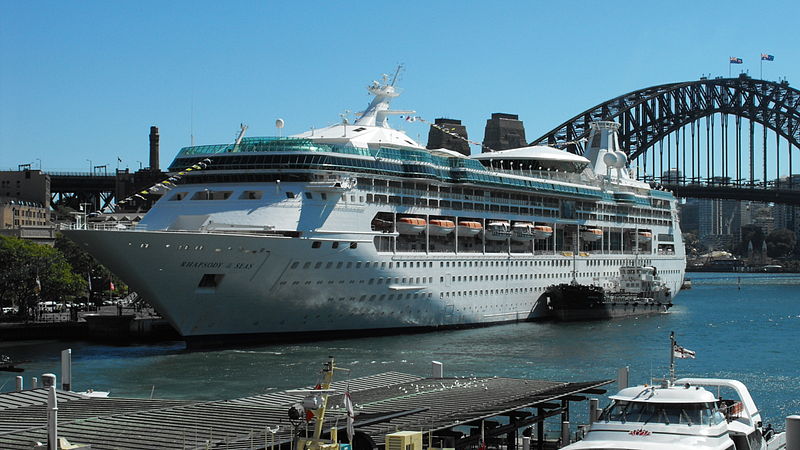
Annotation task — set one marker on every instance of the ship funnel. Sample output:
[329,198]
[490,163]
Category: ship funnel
[154,148]
[603,150]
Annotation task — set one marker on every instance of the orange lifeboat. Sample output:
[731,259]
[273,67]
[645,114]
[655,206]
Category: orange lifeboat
[441,227]
[592,234]
[411,225]
[469,228]
[542,231]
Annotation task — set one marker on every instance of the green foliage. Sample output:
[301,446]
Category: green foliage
[781,243]
[23,262]
[693,245]
[750,233]
[85,265]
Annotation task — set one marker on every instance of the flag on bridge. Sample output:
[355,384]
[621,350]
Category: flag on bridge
[766,57]
[735,60]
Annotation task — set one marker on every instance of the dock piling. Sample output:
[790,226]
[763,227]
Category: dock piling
[593,403]
[437,369]
[52,418]
[66,369]
[793,433]
[564,433]
[19,383]
[622,377]
[48,380]
[34,383]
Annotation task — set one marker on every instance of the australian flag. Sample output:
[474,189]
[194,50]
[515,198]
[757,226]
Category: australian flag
[735,60]
[766,57]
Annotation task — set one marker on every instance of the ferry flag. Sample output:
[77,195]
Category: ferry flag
[348,404]
[735,60]
[766,57]
[682,353]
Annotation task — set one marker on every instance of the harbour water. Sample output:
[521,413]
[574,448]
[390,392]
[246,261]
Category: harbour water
[742,326]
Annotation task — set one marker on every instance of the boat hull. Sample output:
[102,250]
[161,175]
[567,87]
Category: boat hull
[567,302]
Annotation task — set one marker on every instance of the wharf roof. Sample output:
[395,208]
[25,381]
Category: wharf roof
[384,403]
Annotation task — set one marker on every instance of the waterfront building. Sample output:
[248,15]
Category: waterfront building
[788,216]
[26,220]
[30,185]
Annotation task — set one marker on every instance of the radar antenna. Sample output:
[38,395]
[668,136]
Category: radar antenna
[397,73]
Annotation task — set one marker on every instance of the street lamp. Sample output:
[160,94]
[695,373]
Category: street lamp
[90,165]
[40,163]
[140,165]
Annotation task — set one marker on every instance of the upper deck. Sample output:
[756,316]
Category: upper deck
[291,154]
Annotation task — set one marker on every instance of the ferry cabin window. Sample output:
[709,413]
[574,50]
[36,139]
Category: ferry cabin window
[211,195]
[178,196]
[290,195]
[666,413]
[251,195]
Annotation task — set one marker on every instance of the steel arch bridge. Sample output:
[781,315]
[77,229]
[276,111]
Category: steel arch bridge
[680,135]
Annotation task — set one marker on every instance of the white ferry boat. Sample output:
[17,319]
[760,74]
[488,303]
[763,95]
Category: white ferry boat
[347,229]
[681,415]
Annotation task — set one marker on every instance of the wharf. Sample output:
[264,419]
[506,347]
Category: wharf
[384,403]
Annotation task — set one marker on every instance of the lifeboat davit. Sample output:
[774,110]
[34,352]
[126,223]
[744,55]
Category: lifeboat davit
[498,230]
[542,231]
[592,234]
[411,225]
[522,231]
[439,227]
[468,228]
[644,236]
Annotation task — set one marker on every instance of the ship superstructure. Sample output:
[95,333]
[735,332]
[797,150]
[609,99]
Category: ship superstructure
[357,227]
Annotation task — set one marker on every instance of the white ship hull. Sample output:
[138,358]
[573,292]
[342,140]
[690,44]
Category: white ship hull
[278,286]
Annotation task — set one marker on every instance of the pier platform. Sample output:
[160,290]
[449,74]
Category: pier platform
[451,412]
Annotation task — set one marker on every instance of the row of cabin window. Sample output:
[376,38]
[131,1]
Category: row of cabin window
[486,292]
[385,297]
[335,244]
[503,263]
[324,196]
[217,195]
[367,264]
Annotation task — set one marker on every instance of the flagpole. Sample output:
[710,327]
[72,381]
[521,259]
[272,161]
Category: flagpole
[761,68]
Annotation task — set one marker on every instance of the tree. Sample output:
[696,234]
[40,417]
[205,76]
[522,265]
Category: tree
[31,272]
[781,243]
[85,266]
[749,233]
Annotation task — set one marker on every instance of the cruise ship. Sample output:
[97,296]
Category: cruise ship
[356,228]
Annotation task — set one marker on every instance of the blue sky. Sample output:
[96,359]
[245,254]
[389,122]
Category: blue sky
[85,80]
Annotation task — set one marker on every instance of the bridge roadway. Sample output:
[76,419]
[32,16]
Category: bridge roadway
[755,193]
[99,190]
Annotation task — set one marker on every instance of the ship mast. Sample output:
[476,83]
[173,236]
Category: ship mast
[378,109]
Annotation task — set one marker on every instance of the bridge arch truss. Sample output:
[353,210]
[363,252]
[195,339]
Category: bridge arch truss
[681,133]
